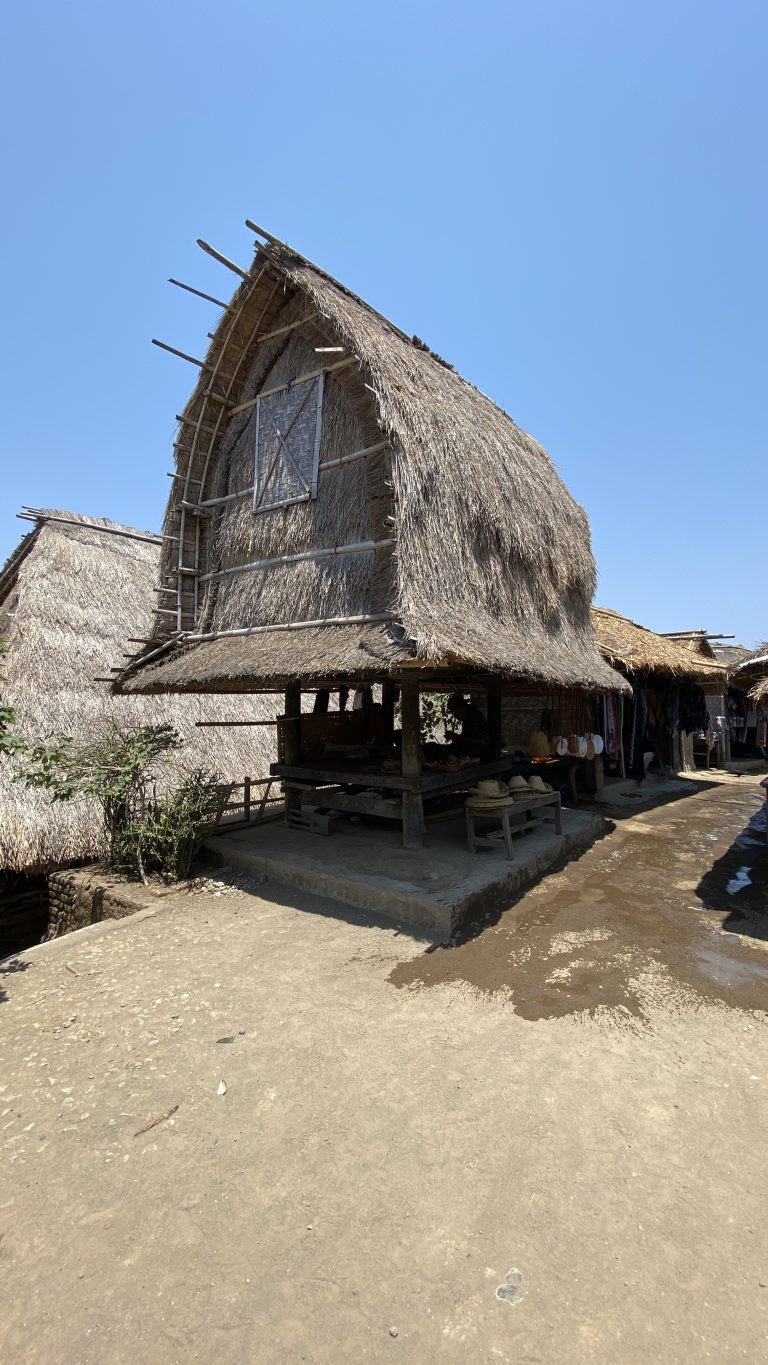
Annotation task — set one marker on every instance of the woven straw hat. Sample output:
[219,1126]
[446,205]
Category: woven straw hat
[489,787]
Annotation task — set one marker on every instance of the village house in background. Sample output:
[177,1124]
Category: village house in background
[349,513]
[70,595]
[748,702]
[674,718]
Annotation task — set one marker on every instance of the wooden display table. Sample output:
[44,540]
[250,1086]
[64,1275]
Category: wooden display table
[511,818]
[402,796]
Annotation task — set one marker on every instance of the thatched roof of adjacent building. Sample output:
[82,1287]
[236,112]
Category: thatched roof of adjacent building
[730,655]
[493,565]
[751,673]
[70,594]
[627,645]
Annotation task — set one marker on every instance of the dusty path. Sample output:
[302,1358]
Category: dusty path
[667,897]
[429,1171]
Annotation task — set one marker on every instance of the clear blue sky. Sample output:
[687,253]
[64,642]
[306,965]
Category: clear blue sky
[567,200]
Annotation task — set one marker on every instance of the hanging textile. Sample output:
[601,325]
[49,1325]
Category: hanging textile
[636,717]
[610,724]
[694,715]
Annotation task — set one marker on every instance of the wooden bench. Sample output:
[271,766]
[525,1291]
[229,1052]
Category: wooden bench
[511,818]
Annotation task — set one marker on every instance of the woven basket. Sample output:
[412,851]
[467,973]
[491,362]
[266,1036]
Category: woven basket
[538,744]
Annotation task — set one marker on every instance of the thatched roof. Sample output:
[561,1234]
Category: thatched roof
[70,594]
[751,673]
[730,655]
[638,650]
[492,566]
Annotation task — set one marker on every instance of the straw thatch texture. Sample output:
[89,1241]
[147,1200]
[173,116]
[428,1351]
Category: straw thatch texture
[730,655]
[632,647]
[751,674]
[69,597]
[493,564]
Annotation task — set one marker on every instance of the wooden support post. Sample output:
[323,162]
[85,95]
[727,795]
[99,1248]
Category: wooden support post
[247,799]
[292,734]
[411,763]
[494,718]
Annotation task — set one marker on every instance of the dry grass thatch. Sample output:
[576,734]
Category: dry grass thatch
[730,655]
[69,597]
[638,650]
[751,673]
[492,566]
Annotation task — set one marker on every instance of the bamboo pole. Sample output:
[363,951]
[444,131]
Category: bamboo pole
[37,514]
[289,625]
[289,327]
[354,455]
[210,724]
[208,297]
[182,354]
[300,379]
[223,260]
[283,246]
[327,464]
[234,321]
[193,422]
[361,547]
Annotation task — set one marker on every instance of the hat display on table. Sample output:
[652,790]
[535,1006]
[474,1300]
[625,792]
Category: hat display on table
[490,788]
[488,802]
[536,784]
[517,784]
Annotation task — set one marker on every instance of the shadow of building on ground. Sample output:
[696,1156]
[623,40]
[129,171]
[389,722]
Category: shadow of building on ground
[737,884]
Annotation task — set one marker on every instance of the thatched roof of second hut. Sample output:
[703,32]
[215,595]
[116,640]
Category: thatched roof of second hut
[69,595]
[639,650]
[751,673]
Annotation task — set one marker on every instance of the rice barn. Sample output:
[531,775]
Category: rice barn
[349,514]
[70,594]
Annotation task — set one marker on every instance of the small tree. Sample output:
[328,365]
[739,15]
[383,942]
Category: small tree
[144,832]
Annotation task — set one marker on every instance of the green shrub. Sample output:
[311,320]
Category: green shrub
[144,832]
[174,827]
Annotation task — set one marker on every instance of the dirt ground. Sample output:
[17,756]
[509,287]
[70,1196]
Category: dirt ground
[244,1129]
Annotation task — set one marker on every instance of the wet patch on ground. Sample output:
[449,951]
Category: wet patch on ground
[653,912]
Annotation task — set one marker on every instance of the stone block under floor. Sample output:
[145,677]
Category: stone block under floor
[427,891]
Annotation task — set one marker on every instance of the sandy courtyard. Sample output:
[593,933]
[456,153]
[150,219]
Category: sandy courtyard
[243,1129]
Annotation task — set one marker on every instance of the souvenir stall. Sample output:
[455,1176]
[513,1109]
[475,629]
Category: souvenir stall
[656,727]
[748,705]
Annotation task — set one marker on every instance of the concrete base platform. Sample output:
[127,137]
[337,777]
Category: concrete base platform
[429,891]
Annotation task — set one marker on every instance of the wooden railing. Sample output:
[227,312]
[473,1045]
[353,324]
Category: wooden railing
[249,802]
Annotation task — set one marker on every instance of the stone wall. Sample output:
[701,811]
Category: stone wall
[86,895]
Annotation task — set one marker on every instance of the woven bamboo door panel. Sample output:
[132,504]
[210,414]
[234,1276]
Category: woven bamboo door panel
[287,446]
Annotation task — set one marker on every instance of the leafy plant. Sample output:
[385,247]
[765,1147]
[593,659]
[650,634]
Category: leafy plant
[144,832]
[10,743]
[175,827]
[433,715]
